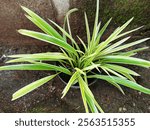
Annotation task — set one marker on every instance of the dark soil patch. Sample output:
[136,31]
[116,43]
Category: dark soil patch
[47,98]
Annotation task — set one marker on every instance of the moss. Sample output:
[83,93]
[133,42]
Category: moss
[122,10]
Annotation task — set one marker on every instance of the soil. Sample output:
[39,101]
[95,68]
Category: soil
[47,98]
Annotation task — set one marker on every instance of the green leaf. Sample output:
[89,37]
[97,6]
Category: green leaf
[128,32]
[89,96]
[93,66]
[133,52]
[80,71]
[117,86]
[36,66]
[54,56]
[82,89]
[113,72]
[123,27]
[114,83]
[48,39]
[69,59]
[42,24]
[102,31]
[27,89]
[123,82]
[66,34]
[128,76]
[96,22]
[121,69]
[126,60]
[128,45]
[71,81]
[45,55]
[24,67]
[113,36]
[82,42]
[98,106]
[111,48]
[66,20]
[52,67]
[91,104]
[87,29]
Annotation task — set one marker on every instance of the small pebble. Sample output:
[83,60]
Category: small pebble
[122,109]
[139,93]
[134,104]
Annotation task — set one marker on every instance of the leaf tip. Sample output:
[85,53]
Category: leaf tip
[62,96]
[110,19]
[23,7]
[20,31]
[13,98]
[132,18]
[27,16]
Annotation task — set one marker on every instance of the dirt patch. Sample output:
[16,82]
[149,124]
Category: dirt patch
[47,98]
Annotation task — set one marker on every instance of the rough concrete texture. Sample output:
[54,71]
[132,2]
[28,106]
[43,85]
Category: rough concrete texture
[47,98]
[62,7]
[12,18]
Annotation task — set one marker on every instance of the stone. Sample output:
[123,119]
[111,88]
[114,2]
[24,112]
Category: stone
[134,104]
[62,8]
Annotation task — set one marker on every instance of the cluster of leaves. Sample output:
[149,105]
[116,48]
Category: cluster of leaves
[107,56]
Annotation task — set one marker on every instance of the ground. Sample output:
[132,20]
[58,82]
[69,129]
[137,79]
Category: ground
[48,97]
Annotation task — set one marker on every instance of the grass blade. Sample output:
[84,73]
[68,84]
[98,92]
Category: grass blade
[48,39]
[114,83]
[96,22]
[128,45]
[38,57]
[42,24]
[121,69]
[66,34]
[82,42]
[82,89]
[126,60]
[117,86]
[123,82]
[27,89]
[36,66]
[87,29]
[113,72]
[113,36]
[52,67]
[133,52]
[102,31]
[110,48]
[128,32]
[24,67]
[67,19]
[91,67]
[71,81]
[91,104]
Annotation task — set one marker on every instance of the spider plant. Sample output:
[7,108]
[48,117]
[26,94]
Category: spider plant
[107,56]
